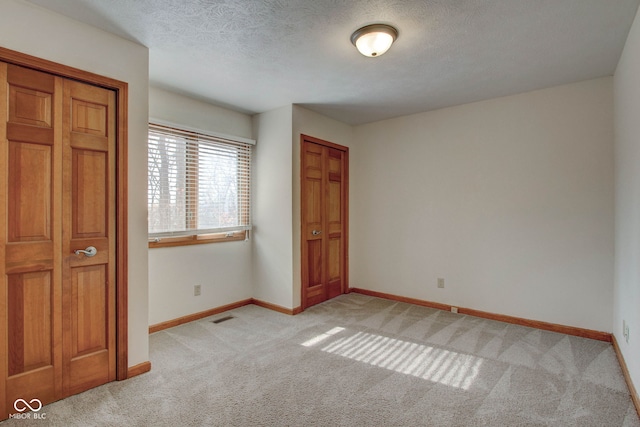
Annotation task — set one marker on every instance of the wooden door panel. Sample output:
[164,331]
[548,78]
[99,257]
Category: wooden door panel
[87,97]
[36,383]
[26,257]
[316,290]
[334,208]
[335,254]
[89,117]
[89,142]
[30,79]
[313,159]
[334,213]
[313,215]
[335,225]
[89,310]
[314,251]
[334,288]
[88,372]
[89,297]
[314,201]
[29,198]
[89,198]
[30,273]
[335,164]
[30,321]
[40,135]
[30,97]
[30,107]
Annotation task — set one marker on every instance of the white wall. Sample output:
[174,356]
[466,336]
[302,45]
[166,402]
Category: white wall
[222,269]
[627,157]
[36,31]
[272,208]
[509,200]
[183,110]
[306,122]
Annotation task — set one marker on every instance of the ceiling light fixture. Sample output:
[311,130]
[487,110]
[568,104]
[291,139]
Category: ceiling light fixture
[374,40]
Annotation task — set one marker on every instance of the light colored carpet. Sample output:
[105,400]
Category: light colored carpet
[359,361]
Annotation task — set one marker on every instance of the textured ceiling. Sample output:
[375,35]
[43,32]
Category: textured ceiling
[257,55]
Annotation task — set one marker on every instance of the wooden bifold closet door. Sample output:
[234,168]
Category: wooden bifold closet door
[324,206]
[57,196]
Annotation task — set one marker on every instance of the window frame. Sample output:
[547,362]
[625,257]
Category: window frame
[192,194]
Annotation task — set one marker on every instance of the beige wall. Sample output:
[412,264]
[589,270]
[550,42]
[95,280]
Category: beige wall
[71,43]
[220,268]
[627,272]
[509,200]
[272,198]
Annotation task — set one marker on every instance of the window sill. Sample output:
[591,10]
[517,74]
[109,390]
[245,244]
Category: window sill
[167,242]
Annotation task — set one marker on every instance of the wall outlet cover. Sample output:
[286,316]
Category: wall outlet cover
[625,330]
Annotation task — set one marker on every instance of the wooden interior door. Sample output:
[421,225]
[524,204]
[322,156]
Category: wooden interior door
[324,208]
[88,292]
[30,236]
[57,194]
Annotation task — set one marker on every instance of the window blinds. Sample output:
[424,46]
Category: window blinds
[198,183]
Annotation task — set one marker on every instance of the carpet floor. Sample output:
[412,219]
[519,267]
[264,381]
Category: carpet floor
[359,361]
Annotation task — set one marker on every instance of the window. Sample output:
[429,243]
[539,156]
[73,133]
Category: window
[199,187]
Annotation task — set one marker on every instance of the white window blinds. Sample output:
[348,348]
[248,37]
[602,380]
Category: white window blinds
[198,184]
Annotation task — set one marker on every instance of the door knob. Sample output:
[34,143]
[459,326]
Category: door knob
[316,232]
[89,252]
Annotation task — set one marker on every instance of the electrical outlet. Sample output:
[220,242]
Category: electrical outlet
[454,309]
[440,283]
[625,330]
[197,290]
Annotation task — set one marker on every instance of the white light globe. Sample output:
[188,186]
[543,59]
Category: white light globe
[374,44]
[374,40]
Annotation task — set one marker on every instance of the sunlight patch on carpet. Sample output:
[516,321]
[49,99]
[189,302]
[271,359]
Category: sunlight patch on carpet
[430,363]
[318,338]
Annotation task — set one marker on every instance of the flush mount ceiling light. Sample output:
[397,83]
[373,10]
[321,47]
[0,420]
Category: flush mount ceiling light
[374,40]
